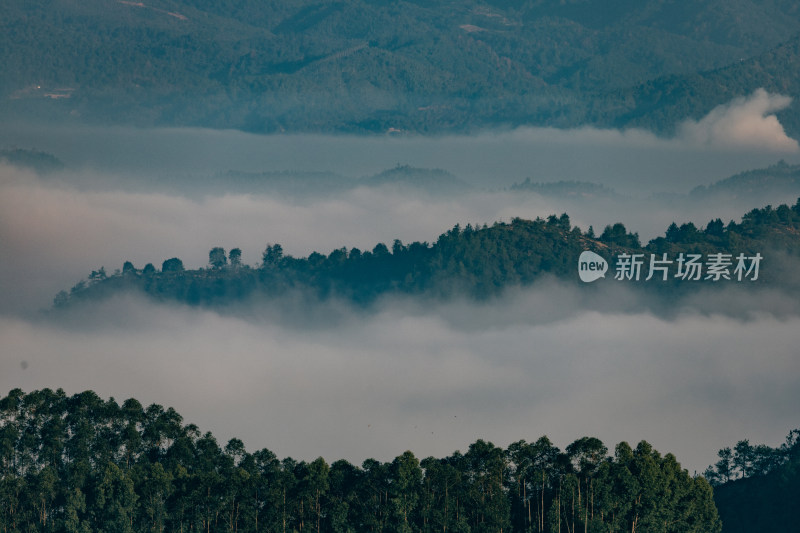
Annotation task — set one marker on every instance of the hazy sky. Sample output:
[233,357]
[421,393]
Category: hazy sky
[549,359]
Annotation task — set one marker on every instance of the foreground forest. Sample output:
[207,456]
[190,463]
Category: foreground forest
[757,487]
[83,464]
[479,262]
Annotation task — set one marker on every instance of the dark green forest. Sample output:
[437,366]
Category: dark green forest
[757,487]
[479,262]
[379,66]
[83,464]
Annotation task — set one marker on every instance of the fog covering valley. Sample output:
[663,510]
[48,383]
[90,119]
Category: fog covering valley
[306,379]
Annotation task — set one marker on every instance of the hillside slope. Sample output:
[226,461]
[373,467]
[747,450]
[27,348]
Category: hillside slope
[372,66]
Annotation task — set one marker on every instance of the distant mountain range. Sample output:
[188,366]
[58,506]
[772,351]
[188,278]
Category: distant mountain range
[754,186]
[436,182]
[391,66]
[771,185]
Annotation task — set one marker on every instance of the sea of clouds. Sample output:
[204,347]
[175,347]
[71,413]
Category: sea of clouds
[431,377]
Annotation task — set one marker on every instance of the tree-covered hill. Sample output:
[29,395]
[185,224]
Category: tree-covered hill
[379,66]
[478,262]
[664,101]
[80,464]
[780,178]
[756,488]
[763,186]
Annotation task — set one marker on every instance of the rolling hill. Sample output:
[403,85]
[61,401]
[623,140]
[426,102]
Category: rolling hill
[377,66]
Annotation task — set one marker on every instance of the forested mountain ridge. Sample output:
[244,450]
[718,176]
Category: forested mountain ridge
[374,66]
[657,103]
[80,463]
[478,262]
[751,184]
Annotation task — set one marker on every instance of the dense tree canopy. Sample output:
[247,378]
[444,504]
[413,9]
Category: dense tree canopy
[83,464]
[757,487]
[375,66]
[479,262]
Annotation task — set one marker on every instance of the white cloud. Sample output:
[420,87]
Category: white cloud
[430,378]
[53,235]
[548,360]
[743,123]
[54,232]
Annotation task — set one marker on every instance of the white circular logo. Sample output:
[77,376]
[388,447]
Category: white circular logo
[591,266]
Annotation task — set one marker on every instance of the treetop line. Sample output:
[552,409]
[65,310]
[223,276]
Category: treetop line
[478,261]
[81,464]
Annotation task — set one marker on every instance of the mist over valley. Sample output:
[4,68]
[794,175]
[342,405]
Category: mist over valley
[319,266]
[499,365]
